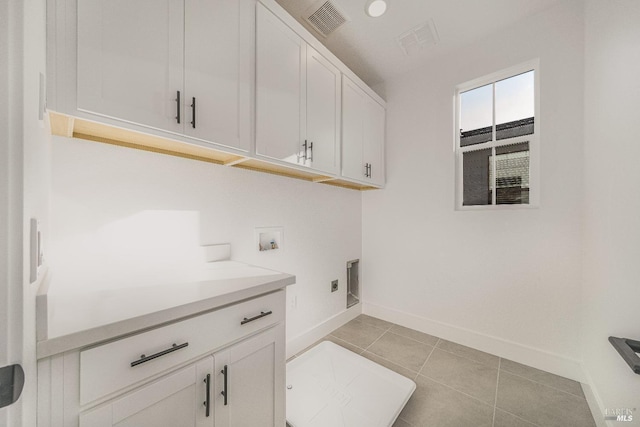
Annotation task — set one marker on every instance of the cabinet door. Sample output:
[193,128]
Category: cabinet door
[130,60]
[178,399]
[280,106]
[255,382]
[373,140]
[217,57]
[323,112]
[353,116]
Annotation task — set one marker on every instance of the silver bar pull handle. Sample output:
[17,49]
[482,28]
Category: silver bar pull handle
[144,359]
[311,151]
[259,316]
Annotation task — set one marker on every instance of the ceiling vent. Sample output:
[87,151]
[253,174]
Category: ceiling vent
[325,17]
[418,38]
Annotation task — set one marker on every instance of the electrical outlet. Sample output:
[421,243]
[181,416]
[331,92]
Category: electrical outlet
[334,285]
[293,302]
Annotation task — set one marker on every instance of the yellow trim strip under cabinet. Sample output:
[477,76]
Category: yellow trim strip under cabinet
[72,127]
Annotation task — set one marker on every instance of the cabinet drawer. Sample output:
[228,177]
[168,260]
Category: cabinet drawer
[110,367]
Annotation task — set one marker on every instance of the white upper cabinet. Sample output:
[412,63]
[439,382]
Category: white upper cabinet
[130,60]
[146,61]
[363,129]
[297,98]
[280,85]
[218,71]
[323,113]
[228,80]
[373,143]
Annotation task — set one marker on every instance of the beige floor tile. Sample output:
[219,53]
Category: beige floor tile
[435,405]
[543,377]
[541,404]
[503,419]
[358,333]
[403,351]
[335,340]
[473,378]
[374,321]
[390,365]
[344,344]
[401,423]
[418,336]
[469,353]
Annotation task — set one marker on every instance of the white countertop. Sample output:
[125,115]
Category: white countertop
[72,317]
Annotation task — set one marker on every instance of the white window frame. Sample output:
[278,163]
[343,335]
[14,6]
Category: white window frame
[532,139]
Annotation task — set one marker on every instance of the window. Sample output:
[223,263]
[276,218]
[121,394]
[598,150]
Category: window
[496,141]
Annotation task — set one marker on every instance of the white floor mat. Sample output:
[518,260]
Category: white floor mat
[329,386]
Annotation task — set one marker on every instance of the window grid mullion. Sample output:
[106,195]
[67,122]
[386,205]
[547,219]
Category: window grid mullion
[494,140]
[495,178]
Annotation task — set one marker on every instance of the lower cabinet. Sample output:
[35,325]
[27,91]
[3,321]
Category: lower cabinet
[179,399]
[227,369]
[240,386]
[255,379]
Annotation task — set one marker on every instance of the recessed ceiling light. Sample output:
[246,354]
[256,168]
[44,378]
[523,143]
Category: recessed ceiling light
[376,8]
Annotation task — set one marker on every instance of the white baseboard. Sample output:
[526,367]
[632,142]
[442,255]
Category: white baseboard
[541,359]
[311,335]
[593,400]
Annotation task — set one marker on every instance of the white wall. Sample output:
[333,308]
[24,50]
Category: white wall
[508,281]
[612,201]
[97,186]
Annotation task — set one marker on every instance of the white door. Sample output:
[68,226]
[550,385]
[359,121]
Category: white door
[353,116]
[130,60]
[280,86]
[373,141]
[255,382]
[217,60]
[323,113]
[177,399]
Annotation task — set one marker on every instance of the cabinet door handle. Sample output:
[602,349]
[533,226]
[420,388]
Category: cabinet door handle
[305,150]
[366,170]
[311,151]
[259,316]
[144,359]
[370,165]
[207,402]
[193,112]
[178,105]
[225,387]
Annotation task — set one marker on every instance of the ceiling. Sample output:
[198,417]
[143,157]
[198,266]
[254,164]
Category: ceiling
[369,46]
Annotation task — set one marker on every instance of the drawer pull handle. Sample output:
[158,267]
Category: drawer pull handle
[225,390]
[251,319]
[143,358]
[207,402]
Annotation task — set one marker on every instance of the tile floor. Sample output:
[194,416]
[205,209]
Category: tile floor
[458,386]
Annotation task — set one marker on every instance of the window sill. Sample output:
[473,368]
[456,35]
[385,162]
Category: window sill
[496,207]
